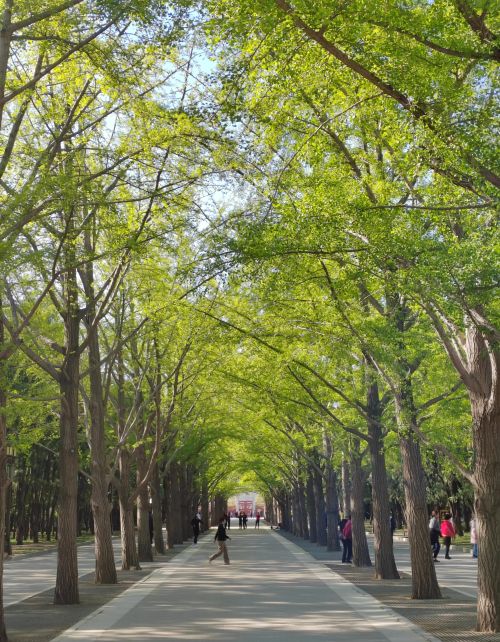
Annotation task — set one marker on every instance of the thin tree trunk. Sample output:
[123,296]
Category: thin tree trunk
[320,509]
[311,507]
[3,480]
[332,499]
[346,485]
[144,550]
[157,514]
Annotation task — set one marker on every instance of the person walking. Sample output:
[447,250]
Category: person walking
[220,537]
[434,532]
[473,537]
[347,541]
[227,519]
[257,520]
[195,523]
[245,520]
[447,532]
[240,519]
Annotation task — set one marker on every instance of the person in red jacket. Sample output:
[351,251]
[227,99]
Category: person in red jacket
[347,541]
[447,532]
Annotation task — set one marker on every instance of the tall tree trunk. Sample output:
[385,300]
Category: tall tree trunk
[360,552]
[332,499]
[484,365]
[130,558]
[303,511]
[157,513]
[346,485]
[385,564]
[311,507]
[105,567]
[144,550]
[66,589]
[3,478]
[204,503]
[319,498]
[423,572]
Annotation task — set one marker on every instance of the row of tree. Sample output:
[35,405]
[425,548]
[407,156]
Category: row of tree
[255,245]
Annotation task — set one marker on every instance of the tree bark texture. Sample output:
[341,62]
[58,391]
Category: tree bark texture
[484,366]
[159,542]
[144,549]
[66,589]
[332,499]
[4,482]
[385,564]
[311,507]
[360,552]
[320,508]
[105,567]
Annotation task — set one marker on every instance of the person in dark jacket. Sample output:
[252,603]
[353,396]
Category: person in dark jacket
[220,538]
[195,523]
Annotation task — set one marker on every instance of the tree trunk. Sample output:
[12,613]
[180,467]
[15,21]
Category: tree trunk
[360,552]
[332,499]
[311,507]
[204,504]
[423,572]
[346,485]
[303,511]
[319,498]
[144,550]
[66,589]
[486,431]
[157,513]
[130,558]
[385,564]
[3,480]
[105,567]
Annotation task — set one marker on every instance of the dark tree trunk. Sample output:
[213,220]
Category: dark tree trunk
[346,486]
[385,564]
[485,406]
[105,567]
[311,507]
[360,552]
[3,478]
[66,590]
[319,498]
[144,549]
[157,512]
[303,511]
[332,499]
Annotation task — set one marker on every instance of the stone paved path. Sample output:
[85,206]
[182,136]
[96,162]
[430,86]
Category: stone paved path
[272,591]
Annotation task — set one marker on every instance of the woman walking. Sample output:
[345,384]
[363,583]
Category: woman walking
[220,538]
[447,532]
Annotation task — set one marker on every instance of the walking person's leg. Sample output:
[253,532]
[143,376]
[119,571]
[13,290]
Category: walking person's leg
[349,550]
[224,550]
[219,552]
[447,543]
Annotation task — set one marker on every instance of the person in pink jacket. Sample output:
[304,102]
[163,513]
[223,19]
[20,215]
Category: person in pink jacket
[447,532]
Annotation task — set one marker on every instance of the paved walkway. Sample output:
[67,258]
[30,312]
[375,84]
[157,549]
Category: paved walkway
[272,591]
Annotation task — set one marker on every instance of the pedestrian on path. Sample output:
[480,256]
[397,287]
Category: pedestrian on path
[195,523]
[220,538]
[227,519]
[245,520]
[257,520]
[473,537]
[347,541]
[434,533]
[447,531]
[240,519]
